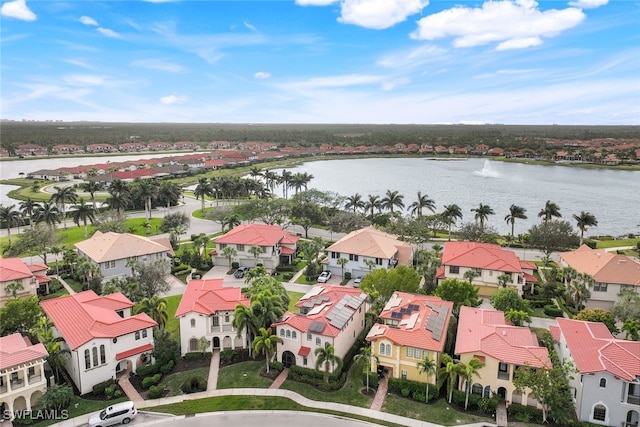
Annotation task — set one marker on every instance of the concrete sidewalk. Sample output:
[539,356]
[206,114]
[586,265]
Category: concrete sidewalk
[214,366]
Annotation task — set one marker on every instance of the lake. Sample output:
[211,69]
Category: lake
[613,196]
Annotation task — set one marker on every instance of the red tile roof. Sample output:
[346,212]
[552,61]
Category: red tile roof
[133,351]
[594,349]
[16,350]
[304,351]
[13,269]
[486,331]
[208,296]
[416,325]
[480,255]
[603,266]
[84,316]
[257,235]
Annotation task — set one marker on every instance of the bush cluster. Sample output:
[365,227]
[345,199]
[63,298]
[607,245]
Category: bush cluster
[196,355]
[101,388]
[228,357]
[285,268]
[525,414]
[373,380]
[156,391]
[413,389]
[552,310]
[152,380]
[147,370]
[316,378]
[193,385]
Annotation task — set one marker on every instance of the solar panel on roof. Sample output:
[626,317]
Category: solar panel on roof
[396,315]
[405,311]
[316,327]
[413,307]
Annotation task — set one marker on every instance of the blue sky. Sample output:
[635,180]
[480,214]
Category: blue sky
[322,61]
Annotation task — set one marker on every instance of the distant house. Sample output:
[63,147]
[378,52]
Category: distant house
[22,374]
[277,246]
[606,388]
[67,149]
[327,314]
[32,278]
[380,249]
[31,150]
[49,175]
[611,272]
[206,310]
[101,148]
[411,327]
[503,348]
[129,147]
[114,253]
[489,261]
[102,335]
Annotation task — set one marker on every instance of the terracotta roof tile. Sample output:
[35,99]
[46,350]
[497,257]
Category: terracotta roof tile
[134,351]
[13,269]
[603,266]
[480,255]
[257,235]
[112,246]
[373,243]
[208,296]
[16,350]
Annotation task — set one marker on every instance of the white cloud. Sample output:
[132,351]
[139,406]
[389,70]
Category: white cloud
[315,2]
[379,14]
[84,80]
[334,82]
[513,24]
[159,65]
[78,63]
[262,75]
[17,9]
[87,20]
[588,4]
[173,99]
[250,27]
[108,32]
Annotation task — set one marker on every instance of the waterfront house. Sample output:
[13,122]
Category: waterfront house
[410,328]
[206,310]
[103,337]
[606,387]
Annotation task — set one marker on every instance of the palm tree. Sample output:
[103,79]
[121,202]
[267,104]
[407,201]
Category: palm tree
[62,196]
[169,193]
[147,190]
[10,217]
[579,289]
[326,356]
[467,372]
[91,187]
[245,319]
[342,262]
[450,214]
[255,251]
[156,308]
[471,274]
[255,173]
[482,214]
[119,195]
[365,356]
[515,212]
[551,210]
[448,373]
[370,263]
[28,208]
[427,366]
[83,212]
[57,250]
[229,252]
[391,200]
[13,288]
[54,345]
[373,202]
[354,202]
[203,189]
[268,307]
[285,179]
[265,343]
[298,182]
[584,220]
[48,213]
[423,202]
[271,178]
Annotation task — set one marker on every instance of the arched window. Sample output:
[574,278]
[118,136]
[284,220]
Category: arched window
[103,356]
[476,389]
[294,335]
[317,342]
[193,323]
[94,351]
[382,348]
[388,349]
[288,333]
[281,332]
[193,344]
[137,335]
[603,382]
[87,359]
[599,413]
[487,391]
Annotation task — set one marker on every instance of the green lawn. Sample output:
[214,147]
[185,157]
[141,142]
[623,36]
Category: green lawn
[349,394]
[438,412]
[175,380]
[75,285]
[80,406]
[294,297]
[604,244]
[173,324]
[243,375]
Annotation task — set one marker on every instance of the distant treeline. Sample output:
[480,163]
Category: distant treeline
[47,134]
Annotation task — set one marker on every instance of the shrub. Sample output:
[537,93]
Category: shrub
[287,276]
[196,355]
[109,391]
[149,381]
[418,396]
[525,413]
[405,392]
[347,275]
[156,391]
[373,380]
[193,385]
[117,394]
[167,367]
[235,265]
[147,370]
[101,388]
[488,405]
[552,310]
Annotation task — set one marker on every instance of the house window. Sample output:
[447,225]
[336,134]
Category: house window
[281,332]
[388,349]
[378,261]
[479,271]
[503,367]
[215,321]
[193,344]
[425,354]
[222,246]
[600,287]
[599,413]
[32,371]
[226,318]
[353,257]
[193,323]
[144,333]
[94,352]
[476,389]
[137,335]
[335,254]
[603,382]
[308,337]
[87,359]
[240,248]
[454,269]
[317,342]
[382,348]
[304,361]
[409,351]
[294,335]
[288,334]
[404,374]
[103,355]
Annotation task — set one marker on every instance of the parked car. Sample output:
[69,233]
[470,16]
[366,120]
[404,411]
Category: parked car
[324,277]
[239,274]
[120,413]
[357,281]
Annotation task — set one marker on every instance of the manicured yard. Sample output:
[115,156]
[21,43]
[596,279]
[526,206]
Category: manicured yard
[604,244]
[80,406]
[173,324]
[294,297]
[243,375]
[438,413]
[174,381]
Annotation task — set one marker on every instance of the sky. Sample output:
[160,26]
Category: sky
[322,61]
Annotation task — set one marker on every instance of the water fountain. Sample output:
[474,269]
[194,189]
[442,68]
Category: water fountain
[488,171]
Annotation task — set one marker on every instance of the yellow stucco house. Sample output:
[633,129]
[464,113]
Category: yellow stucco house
[411,328]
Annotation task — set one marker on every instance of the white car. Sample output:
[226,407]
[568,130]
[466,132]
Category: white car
[357,281]
[324,277]
[120,413]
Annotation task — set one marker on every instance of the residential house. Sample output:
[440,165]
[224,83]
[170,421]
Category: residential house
[32,278]
[411,327]
[115,253]
[4,152]
[611,272]
[367,249]
[22,374]
[185,145]
[49,175]
[103,337]
[67,149]
[31,150]
[206,310]
[489,261]
[130,147]
[333,315]
[101,148]
[503,348]
[277,246]
[606,387]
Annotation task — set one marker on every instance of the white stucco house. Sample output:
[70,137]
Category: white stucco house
[206,310]
[103,337]
[32,277]
[606,388]
[114,253]
[22,374]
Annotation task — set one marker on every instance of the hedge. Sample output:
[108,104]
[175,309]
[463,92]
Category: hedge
[147,370]
[373,380]
[100,388]
[413,389]
[156,391]
[193,385]
[525,414]
[552,310]
[149,381]
[197,355]
[167,367]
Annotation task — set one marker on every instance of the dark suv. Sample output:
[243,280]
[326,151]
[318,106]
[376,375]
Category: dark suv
[239,274]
